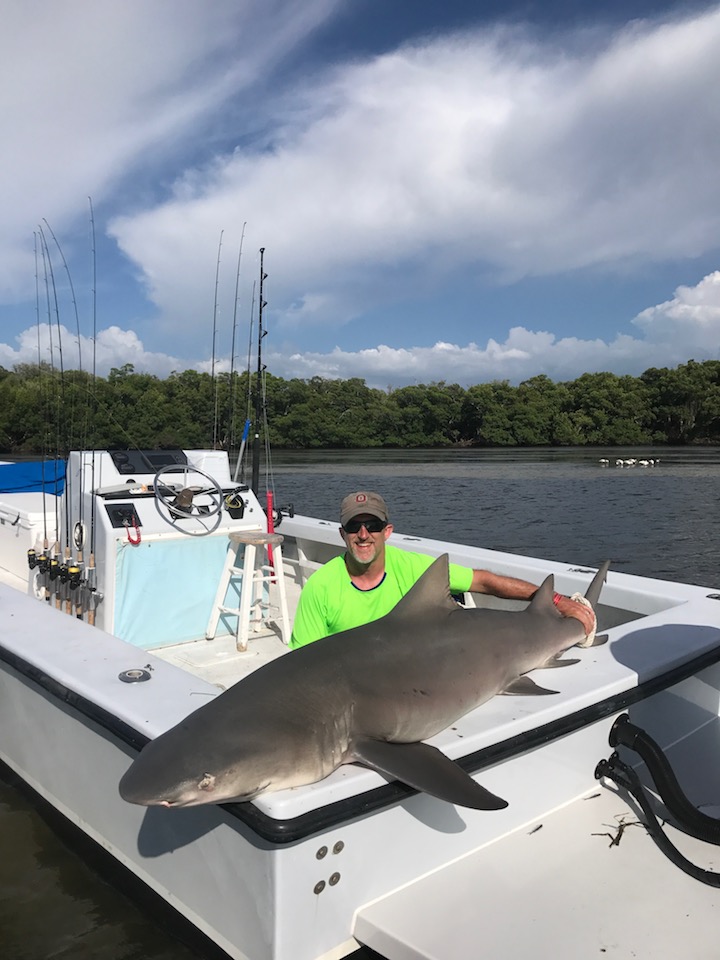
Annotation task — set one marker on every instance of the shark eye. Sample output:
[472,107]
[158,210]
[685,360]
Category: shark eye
[207,782]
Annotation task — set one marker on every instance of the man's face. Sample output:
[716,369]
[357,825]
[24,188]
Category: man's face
[363,545]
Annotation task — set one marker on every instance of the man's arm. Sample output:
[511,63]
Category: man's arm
[511,588]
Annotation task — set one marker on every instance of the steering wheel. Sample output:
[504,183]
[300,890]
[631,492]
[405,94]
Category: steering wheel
[178,498]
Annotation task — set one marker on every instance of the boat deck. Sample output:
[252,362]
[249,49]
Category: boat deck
[218,661]
[584,881]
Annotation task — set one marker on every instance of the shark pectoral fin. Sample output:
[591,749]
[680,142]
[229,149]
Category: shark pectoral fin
[428,769]
[525,687]
[556,662]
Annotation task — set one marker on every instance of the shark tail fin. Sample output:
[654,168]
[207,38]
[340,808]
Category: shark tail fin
[593,591]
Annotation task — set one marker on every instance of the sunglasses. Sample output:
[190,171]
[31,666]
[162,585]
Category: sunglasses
[372,526]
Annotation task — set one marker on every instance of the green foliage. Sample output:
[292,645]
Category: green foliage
[685,401]
[428,415]
[485,415]
[610,409]
[42,412]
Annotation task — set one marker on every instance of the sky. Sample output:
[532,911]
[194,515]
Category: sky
[444,191]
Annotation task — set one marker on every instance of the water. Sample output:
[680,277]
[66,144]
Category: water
[563,505]
[52,905]
[560,504]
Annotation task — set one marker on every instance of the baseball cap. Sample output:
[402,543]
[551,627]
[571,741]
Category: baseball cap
[363,502]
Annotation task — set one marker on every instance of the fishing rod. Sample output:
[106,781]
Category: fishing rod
[214,336]
[54,558]
[232,390]
[274,515]
[68,570]
[240,464]
[72,292]
[91,594]
[72,570]
[41,560]
[255,482]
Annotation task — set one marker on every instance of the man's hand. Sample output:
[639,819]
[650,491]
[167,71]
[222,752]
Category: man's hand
[578,610]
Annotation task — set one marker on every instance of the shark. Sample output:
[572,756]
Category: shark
[371,695]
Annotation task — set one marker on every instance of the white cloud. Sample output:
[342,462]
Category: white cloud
[691,320]
[687,326]
[486,153]
[89,91]
[524,354]
[487,149]
[113,348]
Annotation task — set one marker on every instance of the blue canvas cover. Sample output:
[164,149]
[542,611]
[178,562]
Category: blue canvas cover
[184,575]
[33,476]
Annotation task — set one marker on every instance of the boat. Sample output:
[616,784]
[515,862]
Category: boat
[116,570]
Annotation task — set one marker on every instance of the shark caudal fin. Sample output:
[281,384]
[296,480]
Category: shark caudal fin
[593,591]
[590,599]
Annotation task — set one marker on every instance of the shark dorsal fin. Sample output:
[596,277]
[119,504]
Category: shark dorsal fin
[430,593]
[542,600]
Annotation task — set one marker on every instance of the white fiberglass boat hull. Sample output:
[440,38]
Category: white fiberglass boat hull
[295,875]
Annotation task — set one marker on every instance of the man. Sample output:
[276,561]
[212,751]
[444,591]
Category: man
[371,577]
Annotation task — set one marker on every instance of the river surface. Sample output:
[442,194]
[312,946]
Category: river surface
[565,505]
[559,504]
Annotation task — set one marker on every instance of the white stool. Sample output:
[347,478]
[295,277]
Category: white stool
[254,606]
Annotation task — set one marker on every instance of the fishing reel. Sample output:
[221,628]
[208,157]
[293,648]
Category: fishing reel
[279,512]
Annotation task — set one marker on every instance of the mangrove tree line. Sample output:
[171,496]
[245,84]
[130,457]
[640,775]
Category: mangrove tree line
[43,413]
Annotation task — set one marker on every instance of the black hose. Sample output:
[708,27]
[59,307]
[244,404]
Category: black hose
[696,823]
[624,776]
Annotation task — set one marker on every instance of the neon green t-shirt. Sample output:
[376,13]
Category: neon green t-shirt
[330,602]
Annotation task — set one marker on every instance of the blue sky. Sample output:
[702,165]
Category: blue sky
[445,191]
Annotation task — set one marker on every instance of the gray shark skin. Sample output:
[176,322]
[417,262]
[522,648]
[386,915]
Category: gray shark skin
[371,694]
